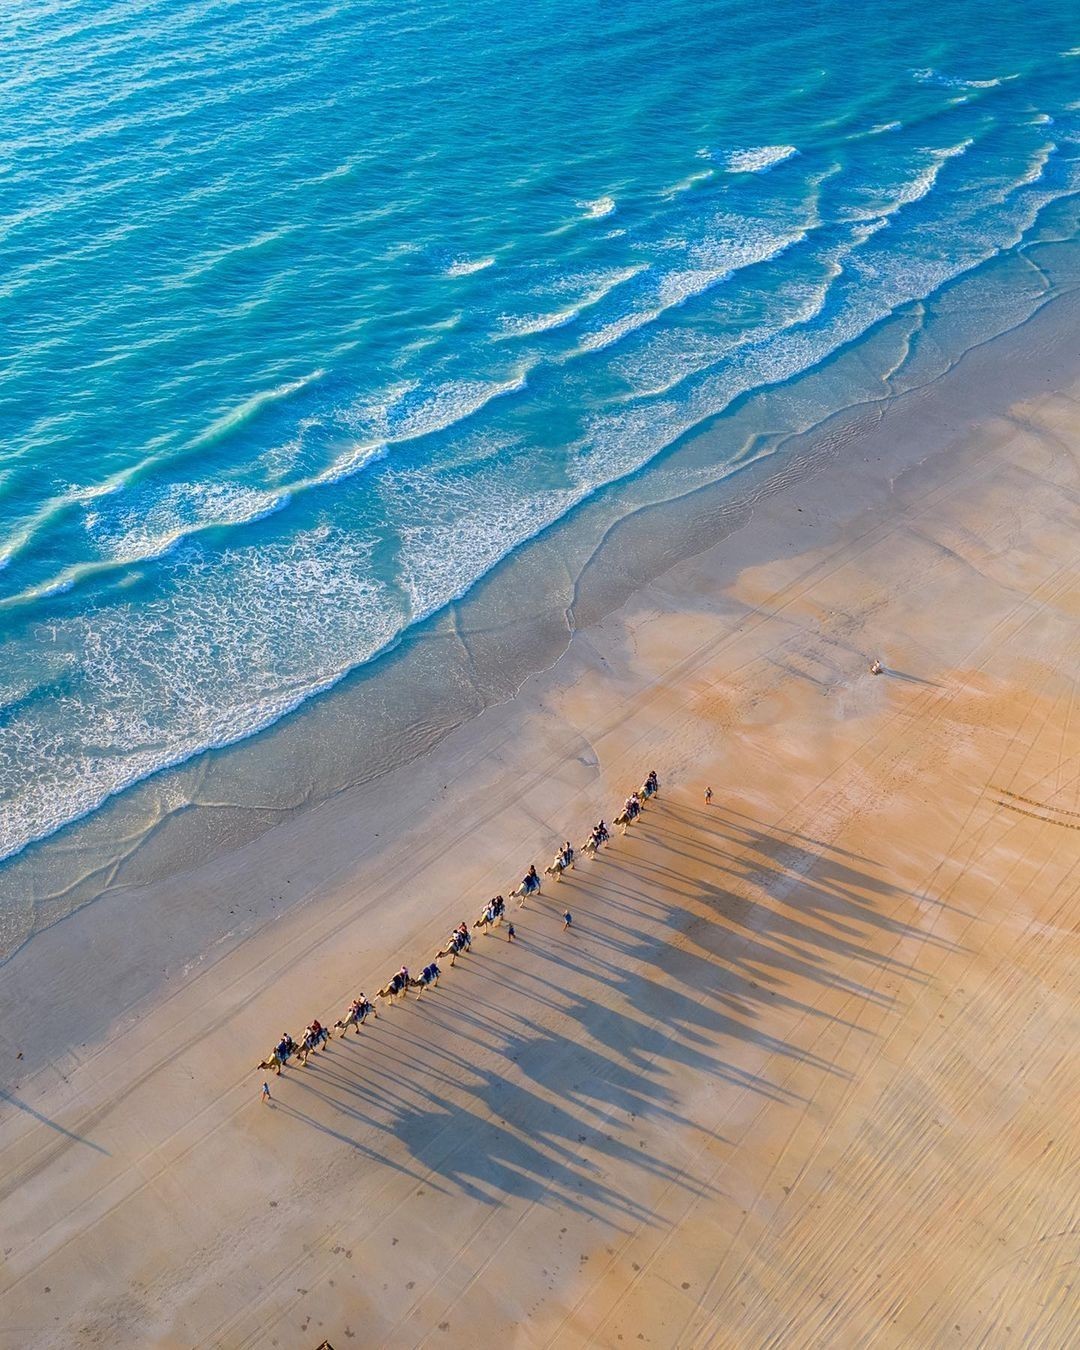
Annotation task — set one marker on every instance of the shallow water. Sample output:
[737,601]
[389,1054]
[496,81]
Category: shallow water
[311,317]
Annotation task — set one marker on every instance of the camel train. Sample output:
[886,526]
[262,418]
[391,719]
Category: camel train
[459,942]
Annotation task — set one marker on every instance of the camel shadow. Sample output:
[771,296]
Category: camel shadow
[538,1069]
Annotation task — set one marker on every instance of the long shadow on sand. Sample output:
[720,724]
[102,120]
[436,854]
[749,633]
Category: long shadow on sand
[20,1105]
[536,1069]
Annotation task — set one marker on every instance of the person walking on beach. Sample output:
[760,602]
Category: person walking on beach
[265,1094]
[708,796]
[567,919]
[511,936]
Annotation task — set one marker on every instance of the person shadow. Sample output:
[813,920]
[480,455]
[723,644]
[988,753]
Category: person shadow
[545,1070]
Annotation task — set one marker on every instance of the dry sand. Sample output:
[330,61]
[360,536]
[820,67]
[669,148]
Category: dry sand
[804,1071]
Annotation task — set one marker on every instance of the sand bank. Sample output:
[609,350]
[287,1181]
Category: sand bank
[804,1071]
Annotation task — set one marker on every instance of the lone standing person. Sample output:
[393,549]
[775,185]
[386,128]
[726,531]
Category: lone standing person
[708,796]
[265,1094]
[511,936]
[567,919]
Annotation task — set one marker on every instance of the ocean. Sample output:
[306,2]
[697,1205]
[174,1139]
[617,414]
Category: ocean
[312,315]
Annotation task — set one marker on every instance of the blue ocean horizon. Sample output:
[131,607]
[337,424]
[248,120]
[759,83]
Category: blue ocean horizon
[312,316]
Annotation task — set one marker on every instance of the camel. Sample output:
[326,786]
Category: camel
[530,885]
[598,836]
[305,1048]
[274,1061]
[395,989]
[356,1016]
[558,867]
[492,916]
[453,949]
[310,1042]
[429,979]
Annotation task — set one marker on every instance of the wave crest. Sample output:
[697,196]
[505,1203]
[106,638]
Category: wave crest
[465,267]
[596,210]
[758,158]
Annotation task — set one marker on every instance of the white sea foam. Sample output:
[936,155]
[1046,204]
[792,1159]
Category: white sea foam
[238,642]
[465,528]
[736,244]
[464,267]
[672,289]
[759,158]
[527,325]
[618,328]
[595,210]
[590,287]
[667,365]
[885,202]
[352,461]
[888,279]
[929,75]
[944,152]
[1033,171]
[147,523]
[883,127]
[587,289]
[412,411]
[672,356]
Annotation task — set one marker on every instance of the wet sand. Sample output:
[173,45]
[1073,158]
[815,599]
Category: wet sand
[804,1070]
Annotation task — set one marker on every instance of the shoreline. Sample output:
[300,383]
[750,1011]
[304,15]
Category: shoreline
[479,652]
[774,1019]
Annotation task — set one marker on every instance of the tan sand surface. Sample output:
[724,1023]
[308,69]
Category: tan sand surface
[804,1072]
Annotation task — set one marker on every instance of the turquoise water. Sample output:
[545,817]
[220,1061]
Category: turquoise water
[312,314]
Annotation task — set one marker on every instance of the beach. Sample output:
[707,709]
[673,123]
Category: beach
[340,344]
[801,1073]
